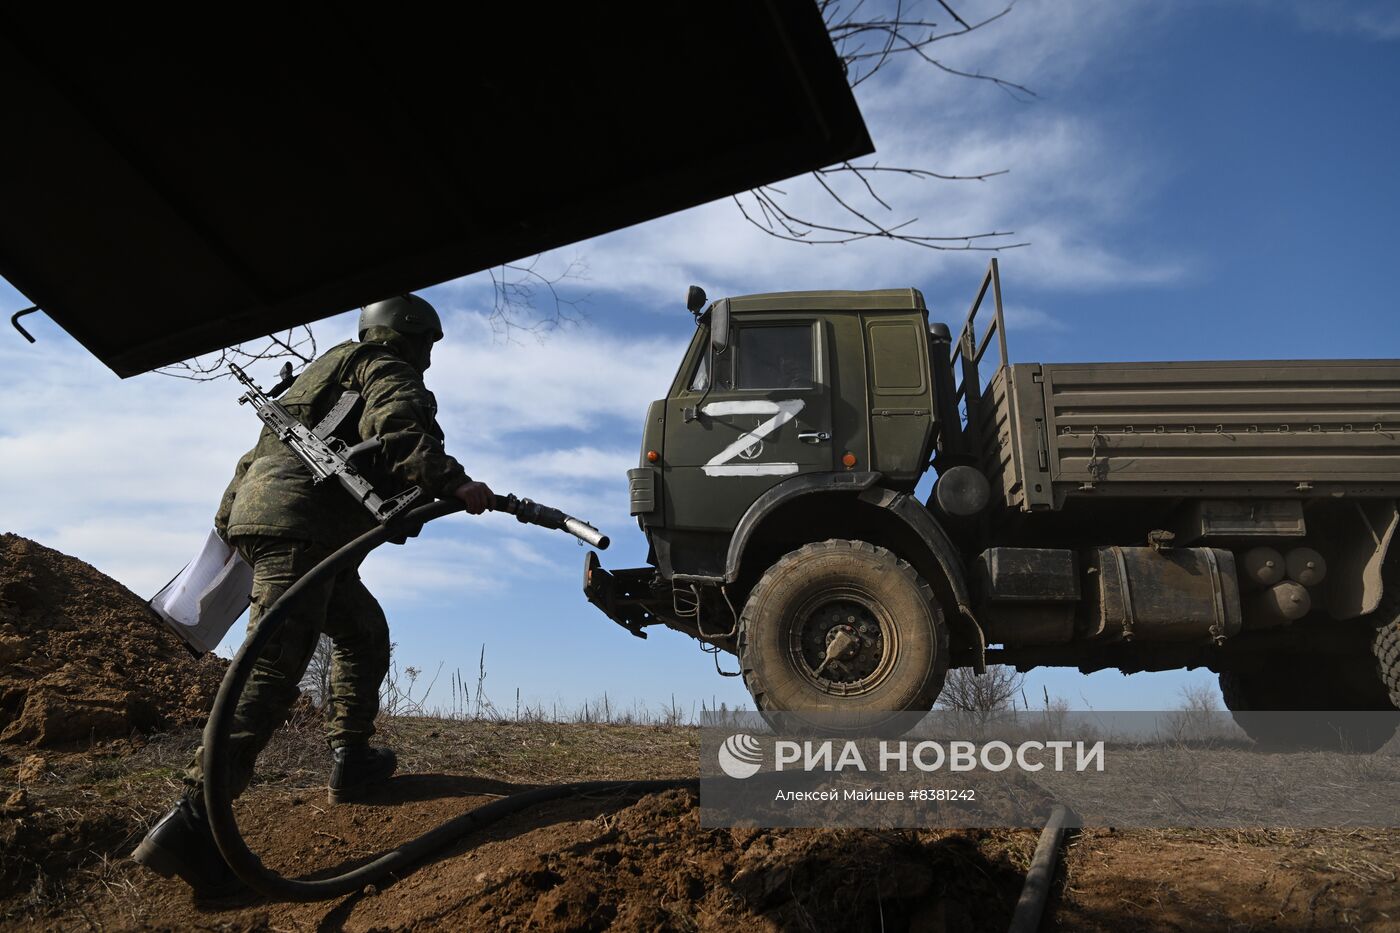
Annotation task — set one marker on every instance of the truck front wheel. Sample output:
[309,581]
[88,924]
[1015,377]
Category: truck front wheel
[842,626]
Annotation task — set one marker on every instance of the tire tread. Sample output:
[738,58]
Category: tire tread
[1385,642]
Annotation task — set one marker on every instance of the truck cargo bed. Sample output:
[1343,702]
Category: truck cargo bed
[1053,432]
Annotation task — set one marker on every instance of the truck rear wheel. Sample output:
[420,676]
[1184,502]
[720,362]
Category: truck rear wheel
[1256,699]
[1386,646]
[842,626]
[1385,642]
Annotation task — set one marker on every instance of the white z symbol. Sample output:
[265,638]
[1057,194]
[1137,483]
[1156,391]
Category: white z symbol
[782,413]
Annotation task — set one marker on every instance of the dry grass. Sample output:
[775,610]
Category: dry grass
[412,692]
[1365,854]
[543,752]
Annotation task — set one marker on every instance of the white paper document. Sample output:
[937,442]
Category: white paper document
[207,597]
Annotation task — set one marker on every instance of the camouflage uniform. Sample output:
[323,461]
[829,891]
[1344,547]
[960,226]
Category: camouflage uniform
[283,525]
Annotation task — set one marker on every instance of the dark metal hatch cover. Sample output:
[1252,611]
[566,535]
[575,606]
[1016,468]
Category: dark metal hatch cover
[173,184]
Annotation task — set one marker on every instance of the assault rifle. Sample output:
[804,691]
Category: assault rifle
[324,455]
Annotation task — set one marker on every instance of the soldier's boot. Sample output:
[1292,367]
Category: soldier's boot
[183,844]
[357,769]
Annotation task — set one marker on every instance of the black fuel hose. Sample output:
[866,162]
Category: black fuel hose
[219,805]
[1030,907]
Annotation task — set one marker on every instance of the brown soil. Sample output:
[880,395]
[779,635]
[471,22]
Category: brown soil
[82,658]
[1231,880]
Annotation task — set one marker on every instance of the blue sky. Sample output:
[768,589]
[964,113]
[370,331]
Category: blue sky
[1196,180]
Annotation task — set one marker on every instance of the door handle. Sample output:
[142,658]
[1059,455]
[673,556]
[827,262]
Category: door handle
[813,437]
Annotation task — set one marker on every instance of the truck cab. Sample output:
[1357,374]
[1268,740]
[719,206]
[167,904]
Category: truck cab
[804,384]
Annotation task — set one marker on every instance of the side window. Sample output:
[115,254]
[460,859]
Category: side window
[701,382]
[895,358]
[773,357]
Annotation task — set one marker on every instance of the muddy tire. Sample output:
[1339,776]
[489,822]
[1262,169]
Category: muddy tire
[1256,699]
[1386,647]
[846,627]
[1385,641]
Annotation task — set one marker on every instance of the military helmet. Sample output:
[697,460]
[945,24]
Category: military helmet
[407,314]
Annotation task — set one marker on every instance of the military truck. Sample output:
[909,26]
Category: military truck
[1141,516]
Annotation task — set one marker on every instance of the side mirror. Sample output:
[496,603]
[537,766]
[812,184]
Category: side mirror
[719,325]
[695,299]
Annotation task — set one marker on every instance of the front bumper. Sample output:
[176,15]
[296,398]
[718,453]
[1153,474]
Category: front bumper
[621,595]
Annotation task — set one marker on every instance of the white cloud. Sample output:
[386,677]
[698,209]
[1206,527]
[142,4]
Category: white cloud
[570,381]
[125,475]
[419,573]
[578,462]
[1375,21]
[1021,317]
[143,556]
[1045,45]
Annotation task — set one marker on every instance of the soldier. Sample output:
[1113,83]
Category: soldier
[283,525]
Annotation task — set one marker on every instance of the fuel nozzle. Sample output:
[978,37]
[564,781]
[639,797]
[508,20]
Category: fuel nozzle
[530,512]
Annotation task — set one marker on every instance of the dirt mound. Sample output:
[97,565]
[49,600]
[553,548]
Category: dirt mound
[83,658]
[47,843]
[610,862]
[652,866]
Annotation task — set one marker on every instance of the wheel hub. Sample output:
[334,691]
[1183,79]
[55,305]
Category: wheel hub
[842,644]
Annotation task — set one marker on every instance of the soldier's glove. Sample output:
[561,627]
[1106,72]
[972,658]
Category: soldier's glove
[477,497]
[405,530]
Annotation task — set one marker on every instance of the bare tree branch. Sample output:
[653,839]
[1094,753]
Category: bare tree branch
[518,291]
[981,695]
[879,37]
[954,13]
[316,682]
[776,221]
[866,41]
[517,286]
[297,346]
